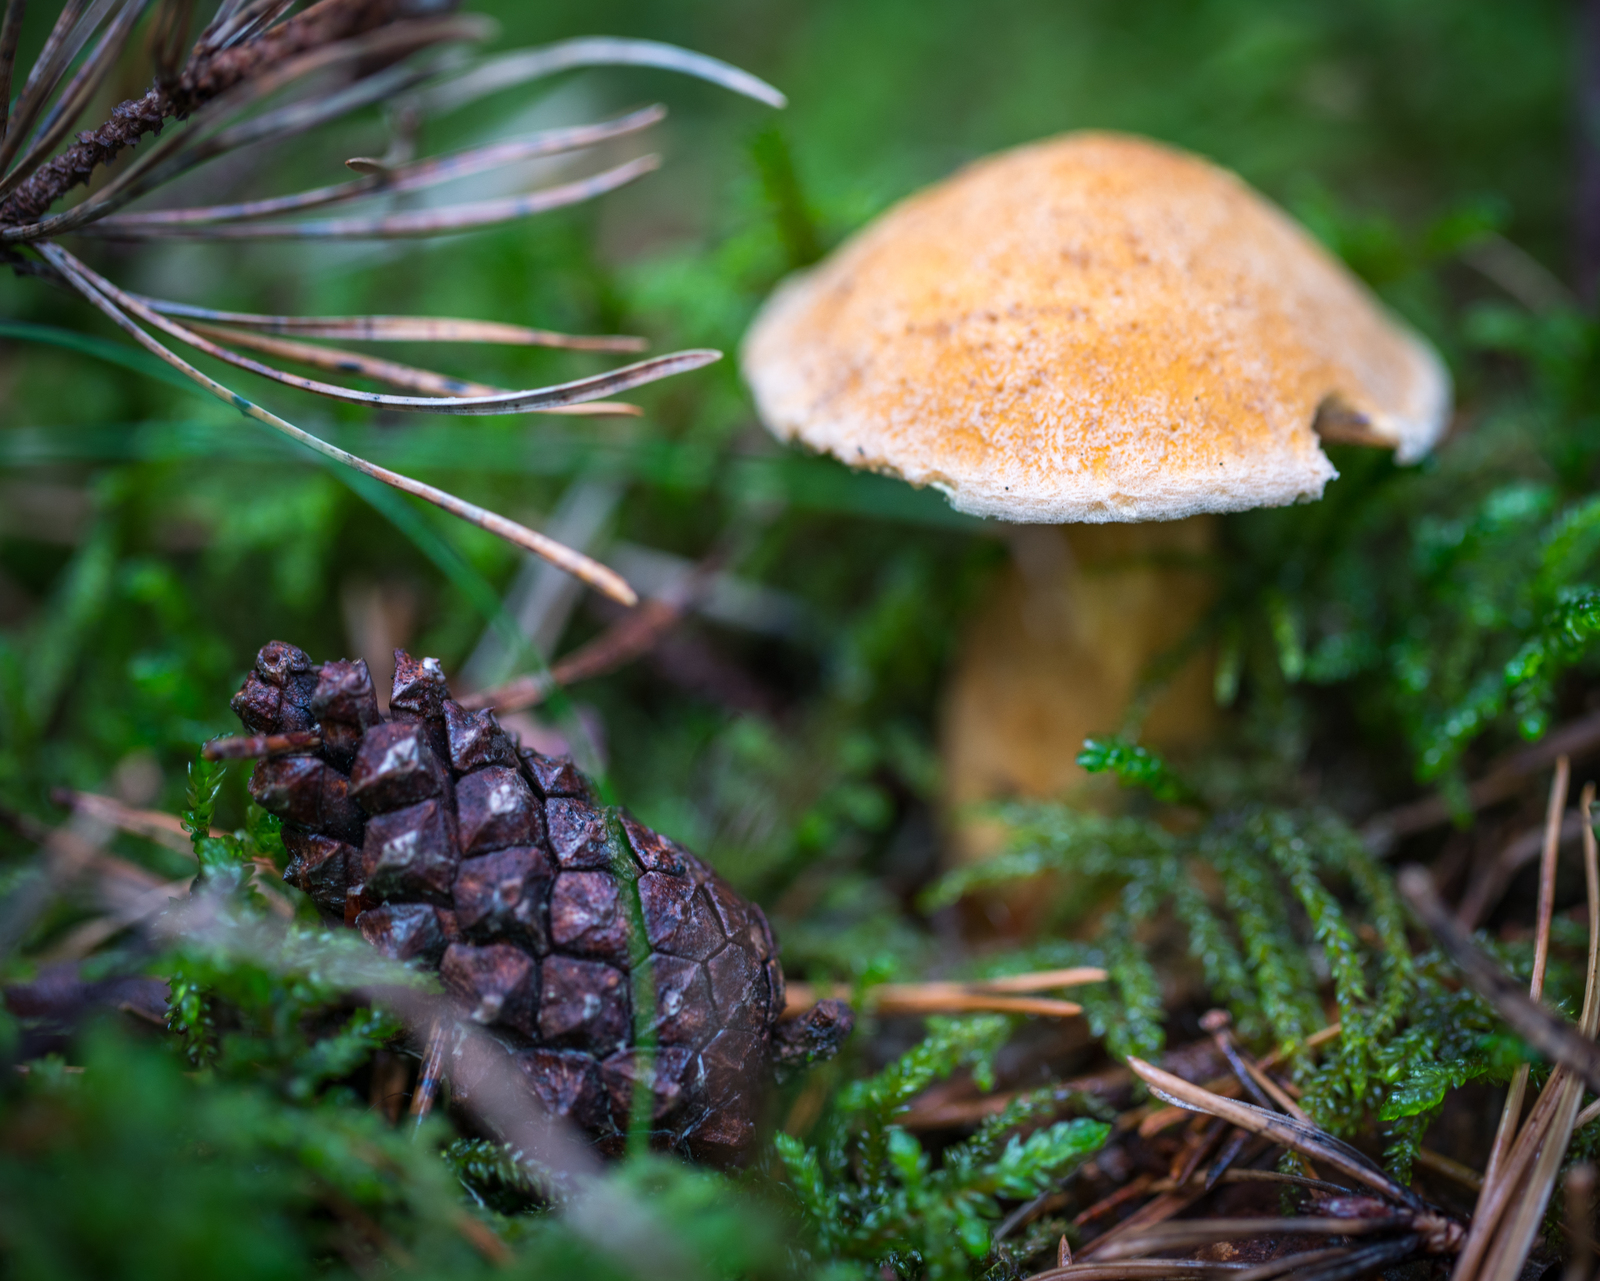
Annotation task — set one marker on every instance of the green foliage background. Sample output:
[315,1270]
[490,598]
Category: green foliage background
[1413,621]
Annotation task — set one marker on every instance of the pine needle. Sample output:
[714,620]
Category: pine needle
[440,221]
[578,391]
[380,179]
[426,329]
[575,563]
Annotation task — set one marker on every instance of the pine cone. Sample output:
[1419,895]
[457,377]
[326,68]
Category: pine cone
[444,842]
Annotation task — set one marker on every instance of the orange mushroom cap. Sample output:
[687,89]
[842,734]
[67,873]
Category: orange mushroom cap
[1091,328]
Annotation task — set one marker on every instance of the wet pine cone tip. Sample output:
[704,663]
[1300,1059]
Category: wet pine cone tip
[444,842]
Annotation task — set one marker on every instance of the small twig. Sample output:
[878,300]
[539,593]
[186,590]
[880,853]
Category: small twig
[1262,1176]
[1042,980]
[1453,1170]
[352,363]
[1192,1232]
[938,997]
[1278,1094]
[1490,884]
[1344,1264]
[1588,1115]
[481,1237]
[1547,1133]
[1157,1210]
[1551,1036]
[1317,1039]
[1226,1158]
[1217,1022]
[1591,879]
[1129,1191]
[1547,874]
[1141,1270]
[426,382]
[932,998]
[1198,1147]
[1306,1259]
[624,641]
[1550,1129]
[1579,1186]
[1503,780]
[431,1074]
[259,745]
[154,825]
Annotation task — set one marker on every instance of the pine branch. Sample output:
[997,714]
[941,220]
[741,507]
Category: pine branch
[207,76]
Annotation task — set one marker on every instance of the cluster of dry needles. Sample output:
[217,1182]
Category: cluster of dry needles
[1356,1220]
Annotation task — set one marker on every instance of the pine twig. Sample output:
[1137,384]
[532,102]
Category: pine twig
[205,78]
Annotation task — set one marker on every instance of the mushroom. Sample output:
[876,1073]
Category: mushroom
[1087,330]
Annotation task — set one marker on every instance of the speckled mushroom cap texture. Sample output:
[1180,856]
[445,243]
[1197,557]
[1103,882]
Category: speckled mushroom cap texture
[1091,328]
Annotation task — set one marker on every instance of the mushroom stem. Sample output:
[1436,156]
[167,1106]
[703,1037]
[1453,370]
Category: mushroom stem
[1059,652]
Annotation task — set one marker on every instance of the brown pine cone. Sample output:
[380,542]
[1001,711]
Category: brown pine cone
[444,842]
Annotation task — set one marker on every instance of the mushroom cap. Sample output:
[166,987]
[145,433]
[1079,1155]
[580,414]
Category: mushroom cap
[1091,328]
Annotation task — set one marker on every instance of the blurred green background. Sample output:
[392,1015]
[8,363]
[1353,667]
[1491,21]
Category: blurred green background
[150,540]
